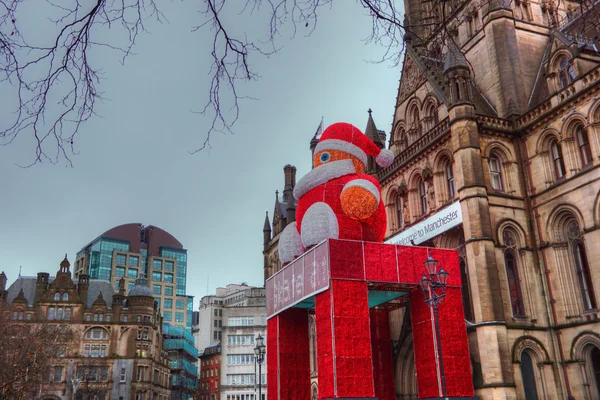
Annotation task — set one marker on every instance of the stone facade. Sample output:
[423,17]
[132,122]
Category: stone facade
[505,120]
[229,323]
[117,347]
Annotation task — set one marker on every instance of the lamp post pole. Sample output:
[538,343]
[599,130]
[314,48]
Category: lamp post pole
[433,285]
[259,352]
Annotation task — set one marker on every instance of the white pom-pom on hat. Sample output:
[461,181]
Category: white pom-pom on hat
[385,158]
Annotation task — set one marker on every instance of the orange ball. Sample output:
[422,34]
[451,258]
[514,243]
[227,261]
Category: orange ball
[358,203]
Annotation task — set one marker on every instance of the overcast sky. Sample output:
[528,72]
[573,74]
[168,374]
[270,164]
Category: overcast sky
[133,164]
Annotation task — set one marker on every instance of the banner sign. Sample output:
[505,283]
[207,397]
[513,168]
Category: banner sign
[299,280]
[429,228]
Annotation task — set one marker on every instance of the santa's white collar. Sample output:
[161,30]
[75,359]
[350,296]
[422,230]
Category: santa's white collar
[321,174]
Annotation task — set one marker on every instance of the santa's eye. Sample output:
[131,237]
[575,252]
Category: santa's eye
[325,157]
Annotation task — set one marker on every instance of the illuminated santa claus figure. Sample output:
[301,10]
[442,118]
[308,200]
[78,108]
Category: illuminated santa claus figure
[337,200]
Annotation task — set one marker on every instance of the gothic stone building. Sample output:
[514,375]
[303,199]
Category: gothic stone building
[116,352]
[497,139]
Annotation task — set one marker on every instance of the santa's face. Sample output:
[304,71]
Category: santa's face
[327,156]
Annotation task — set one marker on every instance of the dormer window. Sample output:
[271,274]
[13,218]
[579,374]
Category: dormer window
[57,296]
[566,72]
[65,296]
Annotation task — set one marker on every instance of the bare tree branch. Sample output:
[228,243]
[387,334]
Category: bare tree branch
[55,85]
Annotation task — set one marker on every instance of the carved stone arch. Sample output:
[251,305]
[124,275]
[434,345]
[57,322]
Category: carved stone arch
[594,112]
[564,51]
[568,127]
[406,380]
[413,102]
[449,240]
[95,327]
[596,210]
[545,138]
[414,179]
[398,127]
[439,162]
[429,100]
[533,345]
[429,112]
[390,195]
[413,119]
[559,216]
[585,347]
[314,391]
[516,227]
[499,148]
[581,341]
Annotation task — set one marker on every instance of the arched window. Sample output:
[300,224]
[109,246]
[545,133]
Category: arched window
[566,72]
[67,314]
[96,317]
[423,196]
[414,117]
[65,296]
[528,376]
[51,314]
[582,267]
[399,211]
[583,142]
[401,139]
[594,364]
[512,272]
[450,180]
[557,160]
[57,296]
[496,172]
[431,116]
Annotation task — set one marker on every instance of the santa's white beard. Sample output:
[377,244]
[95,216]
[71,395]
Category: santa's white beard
[322,174]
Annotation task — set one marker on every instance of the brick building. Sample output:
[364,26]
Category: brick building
[116,351]
[210,364]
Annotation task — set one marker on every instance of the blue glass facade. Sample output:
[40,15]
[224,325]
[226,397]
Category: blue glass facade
[181,276]
[190,312]
[101,255]
[183,355]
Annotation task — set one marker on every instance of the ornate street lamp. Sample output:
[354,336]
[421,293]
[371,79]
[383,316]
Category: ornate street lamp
[433,286]
[259,352]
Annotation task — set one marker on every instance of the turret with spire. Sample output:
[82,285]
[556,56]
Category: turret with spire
[458,75]
[266,231]
[378,137]
[315,140]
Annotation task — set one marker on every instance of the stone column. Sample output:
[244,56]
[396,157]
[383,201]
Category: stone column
[288,355]
[489,342]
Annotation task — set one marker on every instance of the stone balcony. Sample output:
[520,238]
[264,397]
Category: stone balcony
[415,148]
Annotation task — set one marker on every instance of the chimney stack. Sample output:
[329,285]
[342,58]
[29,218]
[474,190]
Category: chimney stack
[288,192]
[83,287]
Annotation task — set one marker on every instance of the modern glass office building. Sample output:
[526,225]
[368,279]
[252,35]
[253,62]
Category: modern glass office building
[183,359]
[129,250]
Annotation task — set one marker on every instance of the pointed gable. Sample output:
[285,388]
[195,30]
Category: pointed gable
[410,79]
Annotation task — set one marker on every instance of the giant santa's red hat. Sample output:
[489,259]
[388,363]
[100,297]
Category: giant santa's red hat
[349,139]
